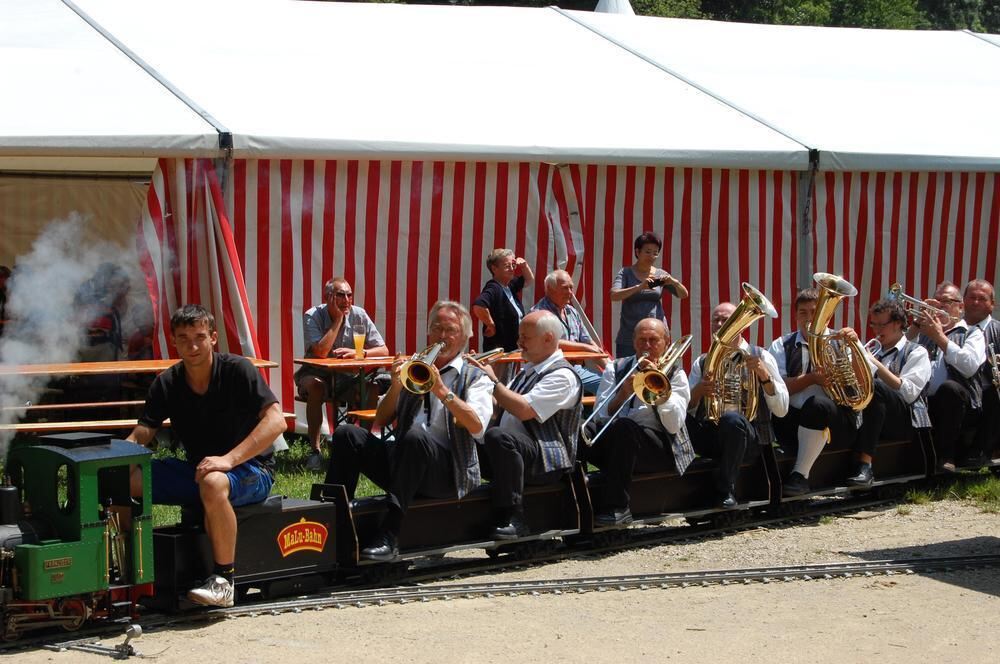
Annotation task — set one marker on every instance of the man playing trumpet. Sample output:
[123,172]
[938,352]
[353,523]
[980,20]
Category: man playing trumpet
[643,438]
[437,433]
[956,350]
[734,438]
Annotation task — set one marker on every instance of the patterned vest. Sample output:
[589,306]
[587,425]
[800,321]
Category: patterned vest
[464,456]
[762,420]
[918,409]
[972,385]
[557,435]
[680,443]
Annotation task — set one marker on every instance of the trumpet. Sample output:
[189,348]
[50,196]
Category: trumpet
[651,386]
[914,307]
[494,355]
[874,346]
[416,374]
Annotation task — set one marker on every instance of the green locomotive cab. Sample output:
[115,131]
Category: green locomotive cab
[86,543]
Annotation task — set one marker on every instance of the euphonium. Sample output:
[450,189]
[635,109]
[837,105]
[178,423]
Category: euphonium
[843,360]
[738,387]
[415,373]
[652,386]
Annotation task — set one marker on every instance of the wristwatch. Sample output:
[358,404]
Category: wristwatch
[448,398]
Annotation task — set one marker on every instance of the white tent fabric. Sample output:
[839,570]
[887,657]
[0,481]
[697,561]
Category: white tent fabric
[316,79]
[995,39]
[68,91]
[614,7]
[866,99]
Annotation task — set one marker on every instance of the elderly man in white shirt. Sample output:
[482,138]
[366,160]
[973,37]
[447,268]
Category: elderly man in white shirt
[734,438]
[437,433]
[956,350]
[535,439]
[643,437]
[979,304]
[901,370]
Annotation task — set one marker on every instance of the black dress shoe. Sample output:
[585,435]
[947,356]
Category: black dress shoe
[863,477]
[383,548]
[614,517]
[514,529]
[728,502]
[973,462]
[795,485]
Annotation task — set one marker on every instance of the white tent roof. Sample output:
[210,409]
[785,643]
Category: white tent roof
[867,99]
[68,91]
[311,79]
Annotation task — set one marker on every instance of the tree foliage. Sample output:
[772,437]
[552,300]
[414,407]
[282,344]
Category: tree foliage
[977,15]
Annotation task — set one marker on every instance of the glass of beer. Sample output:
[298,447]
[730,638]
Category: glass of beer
[359,340]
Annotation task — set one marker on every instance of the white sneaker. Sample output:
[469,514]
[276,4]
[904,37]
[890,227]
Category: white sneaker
[217,591]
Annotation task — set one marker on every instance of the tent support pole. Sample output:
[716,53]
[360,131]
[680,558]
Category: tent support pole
[807,186]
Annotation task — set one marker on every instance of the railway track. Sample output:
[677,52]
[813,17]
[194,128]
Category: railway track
[360,591]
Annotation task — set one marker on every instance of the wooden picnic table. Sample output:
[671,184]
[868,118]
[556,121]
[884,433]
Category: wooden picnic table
[103,368]
[351,364]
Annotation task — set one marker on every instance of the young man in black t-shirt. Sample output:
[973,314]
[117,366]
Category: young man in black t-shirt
[227,418]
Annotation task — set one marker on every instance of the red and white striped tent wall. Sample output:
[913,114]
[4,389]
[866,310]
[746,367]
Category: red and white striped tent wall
[406,233]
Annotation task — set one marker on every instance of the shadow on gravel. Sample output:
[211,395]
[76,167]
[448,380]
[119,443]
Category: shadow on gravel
[980,579]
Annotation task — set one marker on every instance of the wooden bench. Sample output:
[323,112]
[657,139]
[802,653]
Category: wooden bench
[94,425]
[34,408]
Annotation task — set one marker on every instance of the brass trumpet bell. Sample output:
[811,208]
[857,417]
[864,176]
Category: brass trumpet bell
[416,374]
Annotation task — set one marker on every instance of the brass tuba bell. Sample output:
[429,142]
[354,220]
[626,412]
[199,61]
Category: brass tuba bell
[726,361]
[842,359]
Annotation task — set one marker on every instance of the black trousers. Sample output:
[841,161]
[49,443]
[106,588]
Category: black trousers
[887,416]
[818,413]
[511,460]
[951,412]
[730,442]
[627,448]
[988,433]
[411,466]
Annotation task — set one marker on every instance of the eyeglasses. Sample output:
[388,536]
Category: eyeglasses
[878,326]
[948,300]
[346,295]
[446,330]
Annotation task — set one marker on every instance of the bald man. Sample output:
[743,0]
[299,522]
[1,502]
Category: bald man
[643,438]
[539,420]
[734,439]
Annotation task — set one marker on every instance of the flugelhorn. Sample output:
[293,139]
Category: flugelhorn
[914,307]
[416,374]
[842,359]
[726,361]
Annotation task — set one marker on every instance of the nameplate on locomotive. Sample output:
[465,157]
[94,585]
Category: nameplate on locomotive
[302,536]
[57,563]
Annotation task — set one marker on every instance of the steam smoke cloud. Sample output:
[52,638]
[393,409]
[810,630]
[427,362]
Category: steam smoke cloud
[46,325]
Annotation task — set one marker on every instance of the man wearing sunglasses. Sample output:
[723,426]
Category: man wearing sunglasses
[329,330]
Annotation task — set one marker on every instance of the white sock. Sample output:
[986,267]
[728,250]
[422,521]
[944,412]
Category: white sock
[811,443]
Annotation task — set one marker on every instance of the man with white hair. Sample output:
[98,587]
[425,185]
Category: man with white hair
[535,440]
[437,433]
[558,301]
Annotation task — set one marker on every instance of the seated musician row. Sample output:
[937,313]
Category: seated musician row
[340,329]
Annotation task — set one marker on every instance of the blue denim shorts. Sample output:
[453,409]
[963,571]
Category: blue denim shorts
[173,483]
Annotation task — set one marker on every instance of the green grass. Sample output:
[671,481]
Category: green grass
[825,520]
[981,489]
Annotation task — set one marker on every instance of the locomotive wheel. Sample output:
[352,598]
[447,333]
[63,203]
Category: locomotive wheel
[75,608]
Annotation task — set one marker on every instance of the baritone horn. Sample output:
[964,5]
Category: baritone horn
[738,387]
[416,374]
[842,359]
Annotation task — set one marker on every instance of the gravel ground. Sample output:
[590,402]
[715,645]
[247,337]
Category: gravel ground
[948,617]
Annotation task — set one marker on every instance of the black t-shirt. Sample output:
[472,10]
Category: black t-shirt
[505,317]
[213,423]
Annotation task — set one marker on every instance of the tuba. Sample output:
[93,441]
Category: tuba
[415,374]
[844,361]
[738,387]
